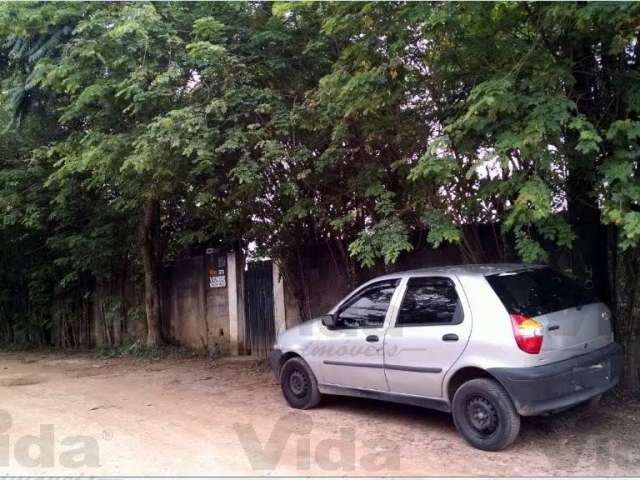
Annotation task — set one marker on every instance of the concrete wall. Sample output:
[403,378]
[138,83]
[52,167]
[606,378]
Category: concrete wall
[325,285]
[216,306]
[196,311]
[203,316]
[291,305]
[183,297]
[198,315]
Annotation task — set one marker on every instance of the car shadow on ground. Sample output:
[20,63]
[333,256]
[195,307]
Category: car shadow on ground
[570,428]
[380,411]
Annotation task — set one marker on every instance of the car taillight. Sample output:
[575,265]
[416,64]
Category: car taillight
[527,332]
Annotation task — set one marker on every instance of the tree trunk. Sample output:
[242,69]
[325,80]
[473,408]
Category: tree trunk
[626,282]
[349,266]
[150,243]
[303,289]
[588,258]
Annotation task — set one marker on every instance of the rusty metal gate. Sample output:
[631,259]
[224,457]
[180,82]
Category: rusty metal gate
[258,303]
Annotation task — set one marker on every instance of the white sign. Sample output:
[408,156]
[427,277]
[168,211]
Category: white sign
[217,281]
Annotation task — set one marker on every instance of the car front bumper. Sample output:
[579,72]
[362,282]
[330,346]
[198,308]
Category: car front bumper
[559,385]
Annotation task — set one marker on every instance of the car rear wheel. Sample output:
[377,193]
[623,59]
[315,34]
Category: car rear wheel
[484,414]
[299,384]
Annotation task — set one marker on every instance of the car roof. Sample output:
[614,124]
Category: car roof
[478,269]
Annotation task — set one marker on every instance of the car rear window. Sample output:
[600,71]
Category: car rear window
[539,291]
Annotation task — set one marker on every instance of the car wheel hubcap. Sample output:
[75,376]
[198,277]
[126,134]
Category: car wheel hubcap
[482,415]
[298,383]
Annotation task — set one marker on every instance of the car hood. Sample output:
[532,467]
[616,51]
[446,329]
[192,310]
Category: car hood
[298,335]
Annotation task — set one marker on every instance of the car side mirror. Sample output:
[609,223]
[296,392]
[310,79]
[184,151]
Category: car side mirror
[328,320]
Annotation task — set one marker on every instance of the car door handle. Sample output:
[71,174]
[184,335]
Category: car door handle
[372,338]
[450,337]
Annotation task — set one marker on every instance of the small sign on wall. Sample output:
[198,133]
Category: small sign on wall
[217,278]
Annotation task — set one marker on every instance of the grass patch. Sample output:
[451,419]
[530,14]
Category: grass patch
[138,349]
[24,347]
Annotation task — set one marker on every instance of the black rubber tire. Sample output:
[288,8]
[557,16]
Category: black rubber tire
[307,395]
[504,421]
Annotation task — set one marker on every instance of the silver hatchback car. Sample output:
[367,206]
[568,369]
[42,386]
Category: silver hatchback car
[487,343]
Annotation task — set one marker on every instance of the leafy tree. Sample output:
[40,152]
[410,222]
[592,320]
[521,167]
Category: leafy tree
[529,111]
[550,91]
[135,130]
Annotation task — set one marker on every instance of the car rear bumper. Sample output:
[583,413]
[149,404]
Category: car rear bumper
[559,385]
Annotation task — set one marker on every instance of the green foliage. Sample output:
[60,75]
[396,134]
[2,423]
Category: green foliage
[621,187]
[529,249]
[437,164]
[441,229]
[387,238]
[356,126]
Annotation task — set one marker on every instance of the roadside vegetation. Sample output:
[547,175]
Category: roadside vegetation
[133,131]
[139,349]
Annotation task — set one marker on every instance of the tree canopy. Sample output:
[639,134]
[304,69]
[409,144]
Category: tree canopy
[134,130]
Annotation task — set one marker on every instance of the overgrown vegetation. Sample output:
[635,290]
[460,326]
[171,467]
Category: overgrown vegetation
[139,349]
[134,130]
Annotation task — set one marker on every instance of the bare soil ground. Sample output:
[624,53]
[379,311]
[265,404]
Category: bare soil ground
[76,414]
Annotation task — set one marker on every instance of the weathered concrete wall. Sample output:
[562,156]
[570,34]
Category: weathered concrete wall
[184,308]
[198,315]
[291,305]
[195,307]
[202,316]
[216,306]
[323,285]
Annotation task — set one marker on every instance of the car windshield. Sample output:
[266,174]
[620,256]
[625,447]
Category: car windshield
[539,291]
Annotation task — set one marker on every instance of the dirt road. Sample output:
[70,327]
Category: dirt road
[72,415]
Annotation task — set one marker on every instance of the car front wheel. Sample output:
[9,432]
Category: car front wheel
[299,384]
[484,414]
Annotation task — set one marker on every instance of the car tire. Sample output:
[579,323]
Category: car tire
[299,384]
[484,415]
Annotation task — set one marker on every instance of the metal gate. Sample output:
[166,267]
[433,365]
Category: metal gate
[258,303]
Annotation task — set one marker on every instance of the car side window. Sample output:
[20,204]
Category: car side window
[368,308]
[430,301]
